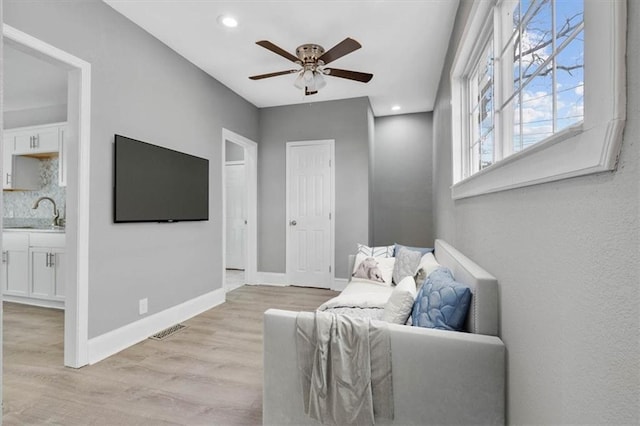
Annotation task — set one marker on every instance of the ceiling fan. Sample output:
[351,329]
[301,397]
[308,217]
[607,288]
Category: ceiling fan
[312,59]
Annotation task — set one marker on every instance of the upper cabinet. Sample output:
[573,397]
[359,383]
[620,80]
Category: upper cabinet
[36,140]
[18,172]
[27,143]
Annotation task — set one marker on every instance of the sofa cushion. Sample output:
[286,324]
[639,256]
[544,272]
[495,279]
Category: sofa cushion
[441,302]
[406,264]
[400,303]
[377,270]
[382,251]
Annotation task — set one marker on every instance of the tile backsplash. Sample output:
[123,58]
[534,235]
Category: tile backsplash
[18,204]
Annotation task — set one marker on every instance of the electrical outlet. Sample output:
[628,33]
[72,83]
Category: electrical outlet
[143,306]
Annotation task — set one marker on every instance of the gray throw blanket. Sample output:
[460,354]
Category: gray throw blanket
[345,365]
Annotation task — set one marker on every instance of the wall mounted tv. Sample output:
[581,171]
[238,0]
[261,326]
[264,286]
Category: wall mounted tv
[155,184]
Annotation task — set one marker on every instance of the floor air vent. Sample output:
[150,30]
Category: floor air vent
[168,332]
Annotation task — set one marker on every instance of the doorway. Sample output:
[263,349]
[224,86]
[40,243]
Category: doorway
[76,154]
[240,198]
[310,200]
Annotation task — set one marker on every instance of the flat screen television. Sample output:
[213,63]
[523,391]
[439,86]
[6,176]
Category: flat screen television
[155,184]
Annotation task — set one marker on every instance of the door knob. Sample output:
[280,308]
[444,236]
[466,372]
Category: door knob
[293,223]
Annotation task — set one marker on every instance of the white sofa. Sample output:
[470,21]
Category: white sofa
[439,377]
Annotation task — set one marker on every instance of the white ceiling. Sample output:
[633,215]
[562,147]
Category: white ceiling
[30,82]
[404,43]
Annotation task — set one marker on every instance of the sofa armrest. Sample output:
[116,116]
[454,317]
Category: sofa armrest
[439,377]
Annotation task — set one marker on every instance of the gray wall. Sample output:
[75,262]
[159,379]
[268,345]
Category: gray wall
[35,116]
[142,89]
[346,122]
[401,200]
[566,257]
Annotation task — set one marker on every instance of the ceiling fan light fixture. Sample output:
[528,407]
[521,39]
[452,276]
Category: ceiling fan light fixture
[318,80]
[395,108]
[299,83]
[308,76]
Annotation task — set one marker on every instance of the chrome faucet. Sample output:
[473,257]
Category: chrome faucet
[56,213]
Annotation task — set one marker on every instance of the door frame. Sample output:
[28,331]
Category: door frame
[332,198]
[251,237]
[76,314]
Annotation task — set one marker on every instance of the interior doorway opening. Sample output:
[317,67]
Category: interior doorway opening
[239,228]
[76,155]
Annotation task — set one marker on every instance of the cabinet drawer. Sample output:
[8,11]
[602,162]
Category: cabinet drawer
[15,241]
[43,239]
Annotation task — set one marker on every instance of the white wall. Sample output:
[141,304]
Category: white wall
[566,255]
[144,90]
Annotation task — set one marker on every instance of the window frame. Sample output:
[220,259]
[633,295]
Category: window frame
[590,147]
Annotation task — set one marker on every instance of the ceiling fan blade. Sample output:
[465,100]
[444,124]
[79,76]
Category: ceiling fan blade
[272,74]
[277,50]
[345,47]
[350,75]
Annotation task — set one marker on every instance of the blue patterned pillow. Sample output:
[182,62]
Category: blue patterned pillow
[441,302]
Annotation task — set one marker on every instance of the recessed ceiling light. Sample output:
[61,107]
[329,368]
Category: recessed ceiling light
[228,21]
[395,108]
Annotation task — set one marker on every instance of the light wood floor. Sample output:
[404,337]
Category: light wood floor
[207,374]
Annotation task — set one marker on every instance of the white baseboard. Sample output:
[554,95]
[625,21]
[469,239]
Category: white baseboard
[280,279]
[339,284]
[119,339]
[54,304]
[271,278]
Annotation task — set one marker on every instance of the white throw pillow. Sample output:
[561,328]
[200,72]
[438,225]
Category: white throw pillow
[428,264]
[400,303]
[378,270]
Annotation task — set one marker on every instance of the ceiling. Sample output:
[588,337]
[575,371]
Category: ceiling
[404,43]
[30,82]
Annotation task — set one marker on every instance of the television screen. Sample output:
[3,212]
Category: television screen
[155,184]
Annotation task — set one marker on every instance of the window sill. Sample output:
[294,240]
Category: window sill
[571,153]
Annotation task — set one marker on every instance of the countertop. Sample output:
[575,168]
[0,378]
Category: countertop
[48,229]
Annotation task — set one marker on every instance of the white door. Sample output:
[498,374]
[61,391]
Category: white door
[236,214]
[309,213]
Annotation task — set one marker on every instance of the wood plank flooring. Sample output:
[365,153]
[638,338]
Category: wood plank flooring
[207,374]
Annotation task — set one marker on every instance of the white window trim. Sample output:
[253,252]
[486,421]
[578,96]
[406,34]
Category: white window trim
[591,147]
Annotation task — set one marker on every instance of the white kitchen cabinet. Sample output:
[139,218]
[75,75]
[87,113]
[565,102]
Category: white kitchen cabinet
[18,172]
[34,271]
[36,139]
[15,264]
[47,278]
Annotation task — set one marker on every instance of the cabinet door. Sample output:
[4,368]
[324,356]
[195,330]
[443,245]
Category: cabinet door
[47,278]
[15,272]
[7,156]
[37,141]
[59,278]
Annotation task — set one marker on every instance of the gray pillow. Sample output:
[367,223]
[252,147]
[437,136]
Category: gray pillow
[407,262]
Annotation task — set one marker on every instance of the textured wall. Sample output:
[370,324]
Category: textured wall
[344,121]
[566,256]
[143,89]
[401,200]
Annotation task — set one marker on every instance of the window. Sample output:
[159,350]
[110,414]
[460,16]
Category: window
[538,92]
